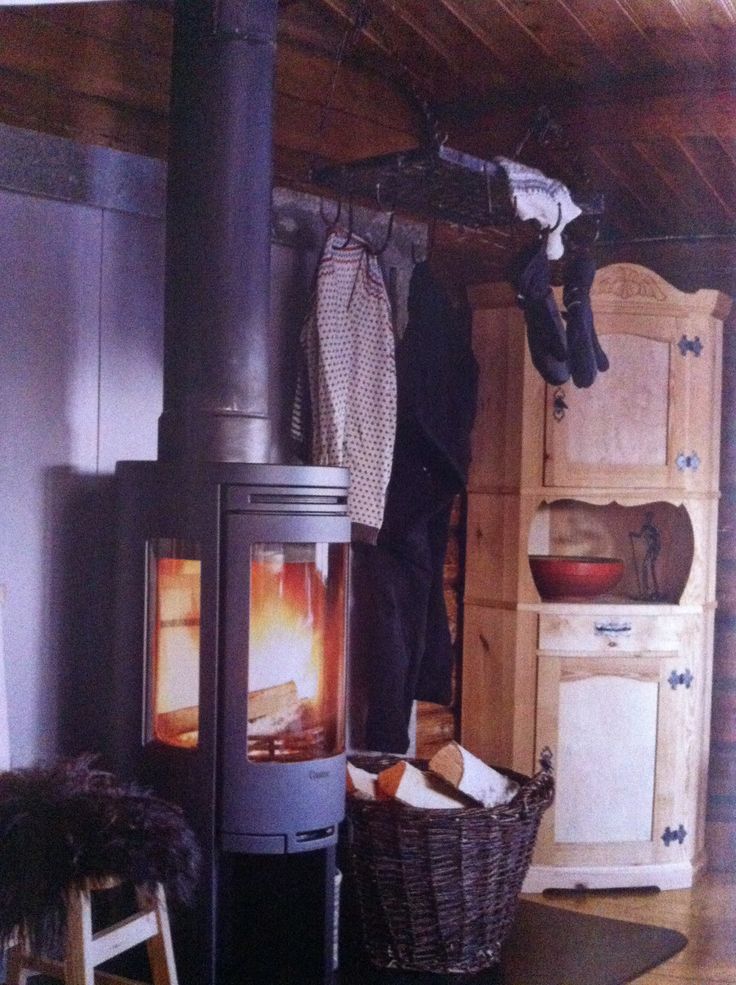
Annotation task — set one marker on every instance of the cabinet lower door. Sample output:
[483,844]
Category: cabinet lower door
[619,730]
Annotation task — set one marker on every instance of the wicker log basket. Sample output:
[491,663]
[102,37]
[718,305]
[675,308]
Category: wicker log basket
[438,890]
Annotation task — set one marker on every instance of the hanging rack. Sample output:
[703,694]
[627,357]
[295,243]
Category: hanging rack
[437,181]
[432,180]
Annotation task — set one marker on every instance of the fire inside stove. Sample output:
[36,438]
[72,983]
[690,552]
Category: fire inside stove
[296,646]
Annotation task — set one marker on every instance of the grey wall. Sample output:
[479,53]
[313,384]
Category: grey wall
[81,303]
[80,387]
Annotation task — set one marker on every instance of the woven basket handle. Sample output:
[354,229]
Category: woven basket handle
[540,790]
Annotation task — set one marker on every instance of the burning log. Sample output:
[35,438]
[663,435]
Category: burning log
[179,727]
[275,710]
[276,701]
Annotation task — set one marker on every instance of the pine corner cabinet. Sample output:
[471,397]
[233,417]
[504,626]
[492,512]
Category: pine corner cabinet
[617,687]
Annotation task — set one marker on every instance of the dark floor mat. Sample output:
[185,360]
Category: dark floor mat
[547,946]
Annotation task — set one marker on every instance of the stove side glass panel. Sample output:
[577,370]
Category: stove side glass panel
[173,642]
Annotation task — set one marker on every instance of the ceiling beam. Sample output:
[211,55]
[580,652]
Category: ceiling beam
[613,119]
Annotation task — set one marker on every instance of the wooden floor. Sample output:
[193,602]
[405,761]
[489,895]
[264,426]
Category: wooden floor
[706,914]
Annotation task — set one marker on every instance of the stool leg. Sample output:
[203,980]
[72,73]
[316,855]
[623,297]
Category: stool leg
[16,972]
[160,948]
[78,967]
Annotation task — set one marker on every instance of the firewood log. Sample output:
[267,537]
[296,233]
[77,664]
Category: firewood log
[409,785]
[471,776]
[281,699]
[361,783]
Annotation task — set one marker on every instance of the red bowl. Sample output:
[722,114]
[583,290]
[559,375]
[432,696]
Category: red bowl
[559,577]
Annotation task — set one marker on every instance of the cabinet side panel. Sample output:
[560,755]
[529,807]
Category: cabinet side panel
[493,551]
[499,684]
[498,343]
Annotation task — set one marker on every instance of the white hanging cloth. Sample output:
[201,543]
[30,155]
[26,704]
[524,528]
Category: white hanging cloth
[538,197]
[349,344]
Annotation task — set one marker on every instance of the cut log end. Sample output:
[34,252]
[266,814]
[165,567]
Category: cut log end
[412,786]
[472,777]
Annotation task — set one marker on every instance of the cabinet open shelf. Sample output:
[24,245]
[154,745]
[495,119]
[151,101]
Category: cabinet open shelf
[654,540]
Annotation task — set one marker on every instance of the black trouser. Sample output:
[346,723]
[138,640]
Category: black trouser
[400,646]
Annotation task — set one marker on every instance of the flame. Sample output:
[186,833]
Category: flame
[286,633]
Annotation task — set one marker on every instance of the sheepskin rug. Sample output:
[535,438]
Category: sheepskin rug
[63,824]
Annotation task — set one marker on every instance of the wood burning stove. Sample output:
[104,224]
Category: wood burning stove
[231,638]
[231,609]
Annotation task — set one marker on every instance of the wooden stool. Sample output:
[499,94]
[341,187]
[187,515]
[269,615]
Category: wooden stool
[83,950]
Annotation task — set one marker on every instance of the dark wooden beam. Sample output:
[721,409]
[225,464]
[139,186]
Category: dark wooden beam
[618,116]
[34,104]
[89,65]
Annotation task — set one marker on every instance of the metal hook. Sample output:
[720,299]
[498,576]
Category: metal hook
[559,218]
[325,220]
[350,226]
[377,251]
[489,200]
[380,203]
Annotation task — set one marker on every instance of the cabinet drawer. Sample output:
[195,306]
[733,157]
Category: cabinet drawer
[600,633]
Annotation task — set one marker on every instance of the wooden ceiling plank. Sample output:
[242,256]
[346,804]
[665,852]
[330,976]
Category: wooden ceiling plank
[135,26]
[682,114]
[624,218]
[662,24]
[728,146]
[308,77]
[310,26]
[515,52]
[714,168]
[91,67]
[675,172]
[397,59]
[613,32]
[346,137]
[713,22]
[569,48]
[456,47]
[617,169]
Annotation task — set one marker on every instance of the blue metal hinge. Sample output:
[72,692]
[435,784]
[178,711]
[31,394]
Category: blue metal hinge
[684,461]
[686,345]
[675,679]
[669,835]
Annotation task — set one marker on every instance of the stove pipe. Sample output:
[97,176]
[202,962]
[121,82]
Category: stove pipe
[218,218]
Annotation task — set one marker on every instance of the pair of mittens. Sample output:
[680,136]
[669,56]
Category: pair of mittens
[545,330]
[584,352]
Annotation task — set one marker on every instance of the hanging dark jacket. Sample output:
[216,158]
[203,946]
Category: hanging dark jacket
[400,640]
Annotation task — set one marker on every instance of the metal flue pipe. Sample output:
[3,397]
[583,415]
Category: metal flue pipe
[218,218]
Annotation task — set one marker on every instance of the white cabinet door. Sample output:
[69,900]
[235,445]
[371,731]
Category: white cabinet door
[620,729]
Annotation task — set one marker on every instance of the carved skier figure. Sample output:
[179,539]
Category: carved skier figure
[646,572]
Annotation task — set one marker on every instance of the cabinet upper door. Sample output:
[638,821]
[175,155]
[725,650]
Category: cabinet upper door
[651,420]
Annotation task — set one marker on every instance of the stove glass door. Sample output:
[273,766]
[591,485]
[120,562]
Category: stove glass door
[296,651]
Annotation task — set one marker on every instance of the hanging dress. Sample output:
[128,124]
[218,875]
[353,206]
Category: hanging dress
[349,349]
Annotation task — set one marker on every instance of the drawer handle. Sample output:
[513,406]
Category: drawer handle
[613,631]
